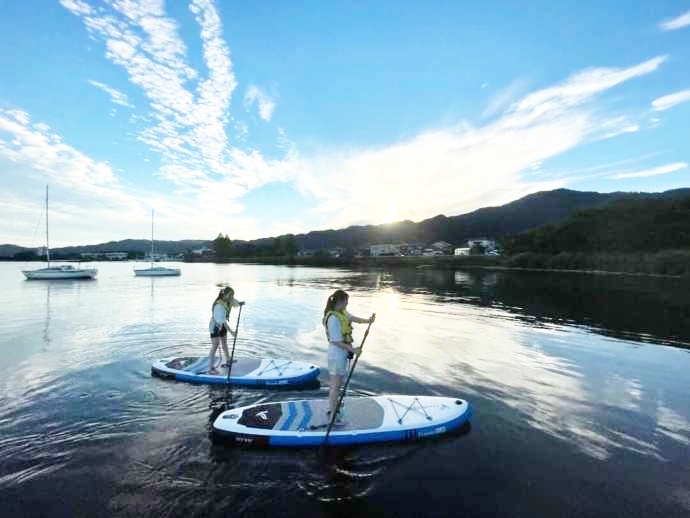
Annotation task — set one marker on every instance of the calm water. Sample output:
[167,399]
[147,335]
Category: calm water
[580,386]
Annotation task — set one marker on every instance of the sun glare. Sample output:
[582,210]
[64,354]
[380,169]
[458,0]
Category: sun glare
[392,214]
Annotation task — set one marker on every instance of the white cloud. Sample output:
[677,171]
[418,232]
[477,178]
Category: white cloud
[89,204]
[115,96]
[76,6]
[504,97]
[654,122]
[676,23]
[618,126]
[669,101]
[24,143]
[189,110]
[457,170]
[664,169]
[254,94]
[583,85]
[449,170]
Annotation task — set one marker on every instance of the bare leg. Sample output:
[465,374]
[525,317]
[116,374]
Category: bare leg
[224,342]
[334,392]
[212,355]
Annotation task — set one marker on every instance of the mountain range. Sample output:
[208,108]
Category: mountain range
[529,212]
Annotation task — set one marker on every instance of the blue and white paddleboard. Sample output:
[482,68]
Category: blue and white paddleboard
[366,420]
[245,371]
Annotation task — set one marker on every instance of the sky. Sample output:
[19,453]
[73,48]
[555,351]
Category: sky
[257,119]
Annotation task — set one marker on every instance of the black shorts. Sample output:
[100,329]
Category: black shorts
[219,331]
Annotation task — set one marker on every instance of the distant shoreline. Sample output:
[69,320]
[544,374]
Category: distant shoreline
[671,264]
[667,263]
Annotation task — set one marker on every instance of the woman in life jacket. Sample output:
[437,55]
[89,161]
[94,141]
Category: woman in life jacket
[338,324]
[218,327]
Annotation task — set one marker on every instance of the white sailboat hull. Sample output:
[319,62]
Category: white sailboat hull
[60,272]
[66,271]
[155,271]
[158,271]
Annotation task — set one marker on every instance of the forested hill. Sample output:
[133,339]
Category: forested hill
[530,212]
[535,210]
[137,246]
[630,224]
[142,246]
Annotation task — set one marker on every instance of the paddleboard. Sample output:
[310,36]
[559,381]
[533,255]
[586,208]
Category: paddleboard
[366,420]
[245,371]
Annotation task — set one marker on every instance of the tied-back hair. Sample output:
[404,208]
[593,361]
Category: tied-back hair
[338,295]
[222,293]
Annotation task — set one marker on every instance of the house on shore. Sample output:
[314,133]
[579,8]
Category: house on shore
[485,244]
[384,250]
[105,256]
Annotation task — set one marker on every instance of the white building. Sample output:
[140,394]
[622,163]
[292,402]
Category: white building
[462,251]
[385,249]
[487,244]
[116,256]
[110,256]
[441,246]
[201,251]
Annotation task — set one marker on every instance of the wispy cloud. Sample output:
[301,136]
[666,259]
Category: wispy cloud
[450,170]
[116,96]
[189,110]
[504,97]
[664,169]
[47,153]
[676,23]
[254,94]
[456,170]
[669,101]
[618,126]
[88,202]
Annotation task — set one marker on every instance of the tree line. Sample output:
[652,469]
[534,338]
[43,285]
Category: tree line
[281,246]
[623,226]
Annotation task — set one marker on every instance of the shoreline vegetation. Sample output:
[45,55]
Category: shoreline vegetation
[666,263]
[553,231]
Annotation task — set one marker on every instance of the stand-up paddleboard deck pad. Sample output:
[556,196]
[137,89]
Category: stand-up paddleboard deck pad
[366,420]
[245,371]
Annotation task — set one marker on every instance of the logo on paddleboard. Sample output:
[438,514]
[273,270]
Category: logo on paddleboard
[263,415]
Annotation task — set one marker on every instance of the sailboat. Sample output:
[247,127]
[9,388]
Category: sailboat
[58,272]
[155,271]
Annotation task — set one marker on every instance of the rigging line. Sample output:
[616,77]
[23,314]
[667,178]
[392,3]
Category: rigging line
[408,408]
[275,366]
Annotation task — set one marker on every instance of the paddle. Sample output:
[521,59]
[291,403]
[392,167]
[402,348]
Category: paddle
[347,381]
[234,341]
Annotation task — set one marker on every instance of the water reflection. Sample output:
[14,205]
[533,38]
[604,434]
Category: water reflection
[524,347]
[46,327]
[648,309]
[572,386]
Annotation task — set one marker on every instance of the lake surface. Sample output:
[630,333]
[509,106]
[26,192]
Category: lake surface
[580,386]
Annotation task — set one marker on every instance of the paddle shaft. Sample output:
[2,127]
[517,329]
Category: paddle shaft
[347,381]
[234,341]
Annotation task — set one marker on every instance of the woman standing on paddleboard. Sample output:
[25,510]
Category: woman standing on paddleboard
[338,324]
[219,327]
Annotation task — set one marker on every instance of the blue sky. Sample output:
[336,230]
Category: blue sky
[255,119]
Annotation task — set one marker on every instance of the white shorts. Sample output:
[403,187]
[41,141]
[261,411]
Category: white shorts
[337,366]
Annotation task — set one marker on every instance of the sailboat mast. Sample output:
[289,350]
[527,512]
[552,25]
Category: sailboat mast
[47,239]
